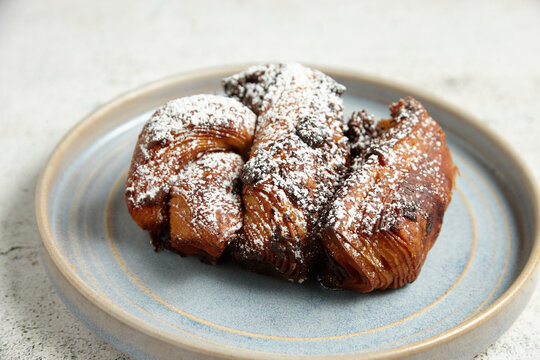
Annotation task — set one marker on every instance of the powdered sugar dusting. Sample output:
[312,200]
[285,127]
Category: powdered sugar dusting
[177,132]
[258,86]
[374,197]
[196,112]
[210,186]
[299,148]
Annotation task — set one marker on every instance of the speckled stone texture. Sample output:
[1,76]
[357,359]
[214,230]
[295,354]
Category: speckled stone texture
[59,60]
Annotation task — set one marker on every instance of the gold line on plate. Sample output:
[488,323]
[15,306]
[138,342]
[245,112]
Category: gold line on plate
[501,276]
[264,336]
[72,222]
[98,264]
[473,222]
[507,228]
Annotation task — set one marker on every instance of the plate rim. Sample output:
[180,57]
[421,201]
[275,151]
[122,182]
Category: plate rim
[112,309]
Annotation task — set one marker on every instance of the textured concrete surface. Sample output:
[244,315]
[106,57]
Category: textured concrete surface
[61,59]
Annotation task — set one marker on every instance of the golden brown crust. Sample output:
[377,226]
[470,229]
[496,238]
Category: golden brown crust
[177,133]
[205,206]
[297,159]
[373,204]
[387,215]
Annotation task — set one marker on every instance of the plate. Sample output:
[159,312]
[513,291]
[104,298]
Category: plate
[475,281]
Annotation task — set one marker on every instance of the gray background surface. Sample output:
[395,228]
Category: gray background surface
[59,60]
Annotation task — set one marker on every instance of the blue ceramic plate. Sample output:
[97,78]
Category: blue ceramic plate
[475,281]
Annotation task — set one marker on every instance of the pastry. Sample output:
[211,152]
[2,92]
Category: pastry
[298,158]
[205,206]
[386,217]
[273,177]
[177,133]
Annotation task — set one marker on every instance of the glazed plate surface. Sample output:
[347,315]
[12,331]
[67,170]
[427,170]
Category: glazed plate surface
[475,281]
